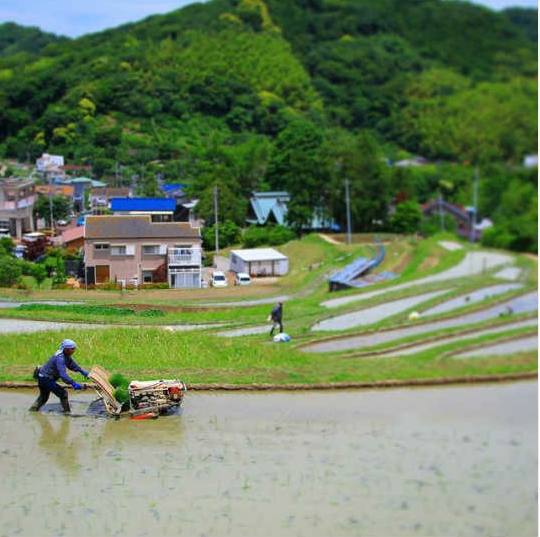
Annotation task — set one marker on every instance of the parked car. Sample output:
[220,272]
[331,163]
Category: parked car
[218,279]
[19,251]
[4,232]
[241,278]
[62,222]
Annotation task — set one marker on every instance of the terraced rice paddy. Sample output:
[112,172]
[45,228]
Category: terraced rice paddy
[523,304]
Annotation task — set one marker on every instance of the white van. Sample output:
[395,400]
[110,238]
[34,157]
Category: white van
[241,278]
[218,279]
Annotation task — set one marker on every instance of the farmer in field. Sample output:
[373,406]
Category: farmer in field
[54,369]
[276,316]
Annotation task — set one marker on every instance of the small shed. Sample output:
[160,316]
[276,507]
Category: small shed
[259,262]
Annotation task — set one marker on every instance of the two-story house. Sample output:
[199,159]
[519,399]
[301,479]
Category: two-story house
[133,249]
[16,204]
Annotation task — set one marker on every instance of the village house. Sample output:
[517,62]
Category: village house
[55,190]
[80,185]
[17,199]
[271,207]
[131,249]
[100,197]
[71,239]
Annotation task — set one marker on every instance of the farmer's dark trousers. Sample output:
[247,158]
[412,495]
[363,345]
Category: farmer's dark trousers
[275,324]
[46,386]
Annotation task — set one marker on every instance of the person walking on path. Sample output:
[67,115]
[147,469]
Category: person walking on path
[54,369]
[276,316]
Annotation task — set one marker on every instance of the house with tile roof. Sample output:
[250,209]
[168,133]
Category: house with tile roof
[132,249]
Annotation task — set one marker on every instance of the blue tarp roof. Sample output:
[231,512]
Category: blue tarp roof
[169,188]
[143,204]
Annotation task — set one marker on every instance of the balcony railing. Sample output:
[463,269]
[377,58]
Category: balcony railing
[184,256]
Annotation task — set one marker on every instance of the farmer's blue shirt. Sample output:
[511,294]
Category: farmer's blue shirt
[55,367]
[277,313]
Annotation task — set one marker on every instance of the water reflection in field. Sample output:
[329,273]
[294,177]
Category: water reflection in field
[446,461]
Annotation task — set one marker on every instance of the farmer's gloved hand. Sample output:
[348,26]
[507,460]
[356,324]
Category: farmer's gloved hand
[77,386]
[84,373]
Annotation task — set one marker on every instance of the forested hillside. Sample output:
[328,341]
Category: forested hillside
[296,95]
[15,39]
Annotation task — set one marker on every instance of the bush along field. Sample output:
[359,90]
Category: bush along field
[148,338]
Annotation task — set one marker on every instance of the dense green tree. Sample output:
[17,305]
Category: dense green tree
[359,160]
[228,234]
[296,166]
[406,218]
[61,207]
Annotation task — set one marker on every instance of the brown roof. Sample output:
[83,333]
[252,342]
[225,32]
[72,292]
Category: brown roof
[116,192]
[73,234]
[60,190]
[137,227]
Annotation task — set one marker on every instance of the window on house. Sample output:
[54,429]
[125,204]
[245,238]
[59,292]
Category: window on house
[101,246]
[147,276]
[118,250]
[151,249]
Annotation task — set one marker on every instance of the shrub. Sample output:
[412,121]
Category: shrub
[255,236]
[280,235]
[10,272]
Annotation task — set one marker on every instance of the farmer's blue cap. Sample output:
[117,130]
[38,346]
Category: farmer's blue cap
[68,344]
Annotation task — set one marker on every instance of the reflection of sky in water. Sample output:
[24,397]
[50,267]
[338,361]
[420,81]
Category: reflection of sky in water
[524,344]
[523,304]
[375,313]
[472,297]
[396,462]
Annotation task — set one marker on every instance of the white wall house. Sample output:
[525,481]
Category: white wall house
[259,262]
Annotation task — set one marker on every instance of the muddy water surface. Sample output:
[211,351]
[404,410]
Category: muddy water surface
[445,461]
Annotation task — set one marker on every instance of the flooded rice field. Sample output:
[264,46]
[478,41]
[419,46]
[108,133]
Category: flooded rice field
[472,297]
[522,304]
[523,344]
[376,313]
[460,337]
[460,460]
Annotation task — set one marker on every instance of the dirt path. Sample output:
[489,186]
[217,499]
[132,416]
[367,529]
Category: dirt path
[329,239]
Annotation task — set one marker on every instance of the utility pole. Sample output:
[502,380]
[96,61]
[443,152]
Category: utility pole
[216,217]
[441,211]
[348,204]
[50,203]
[475,205]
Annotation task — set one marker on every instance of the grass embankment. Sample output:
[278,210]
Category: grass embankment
[204,358]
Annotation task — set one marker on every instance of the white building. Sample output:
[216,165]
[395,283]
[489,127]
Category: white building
[259,262]
[49,162]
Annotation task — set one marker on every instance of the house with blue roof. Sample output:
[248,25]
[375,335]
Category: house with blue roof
[159,209]
[271,207]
